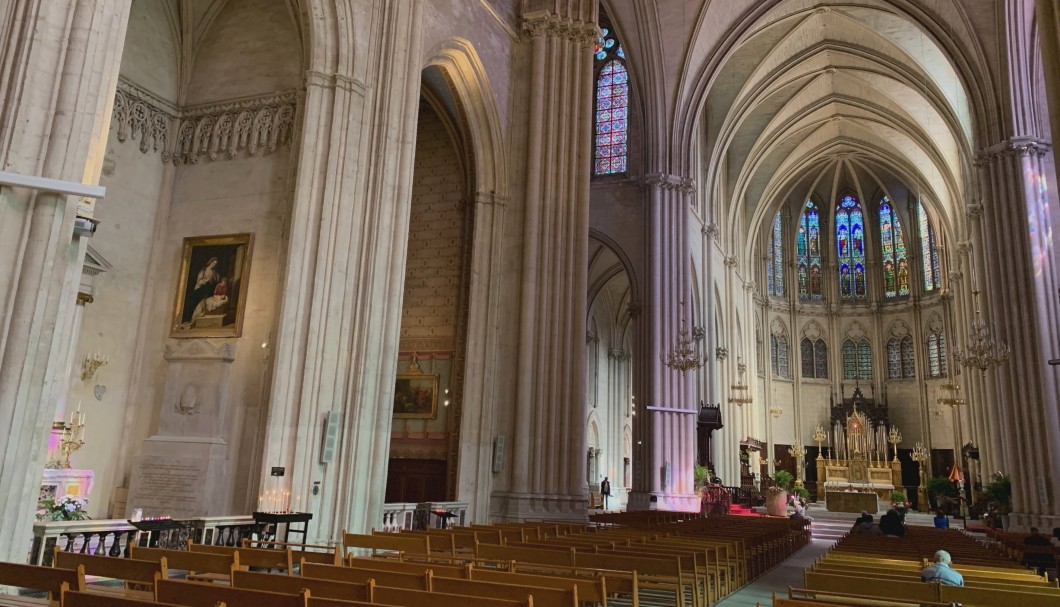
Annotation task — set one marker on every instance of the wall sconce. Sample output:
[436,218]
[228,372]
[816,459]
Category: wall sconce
[91,363]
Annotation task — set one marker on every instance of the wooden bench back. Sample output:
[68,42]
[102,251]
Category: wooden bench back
[527,555]
[199,562]
[992,596]
[418,598]
[392,579]
[590,590]
[290,584]
[130,570]
[396,542]
[543,596]
[892,589]
[440,570]
[322,602]
[196,594]
[313,553]
[251,557]
[48,579]
[91,599]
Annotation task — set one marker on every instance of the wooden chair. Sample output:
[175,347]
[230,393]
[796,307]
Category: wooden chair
[199,594]
[46,579]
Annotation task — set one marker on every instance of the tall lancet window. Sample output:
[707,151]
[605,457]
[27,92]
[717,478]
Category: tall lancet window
[857,359]
[893,257]
[937,354]
[775,263]
[850,242]
[929,253]
[611,146]
[808,251]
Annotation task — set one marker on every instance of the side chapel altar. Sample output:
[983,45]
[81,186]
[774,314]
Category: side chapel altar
[856,472]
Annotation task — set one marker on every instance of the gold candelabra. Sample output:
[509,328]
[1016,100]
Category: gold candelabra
[91,363]
[920,456]
[685,356]
[741,394]
[819,436]
[72,438]
[981,351]
[797,452]
[894,437]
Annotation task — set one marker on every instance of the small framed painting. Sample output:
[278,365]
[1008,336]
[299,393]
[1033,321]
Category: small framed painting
[416,397]
[212,286]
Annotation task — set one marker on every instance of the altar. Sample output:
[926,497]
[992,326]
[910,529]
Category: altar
[856,469]
[852,501]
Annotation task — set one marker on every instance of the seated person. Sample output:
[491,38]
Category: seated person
[864,518]
[941,571]
[891,524]
[866,526]
[1035,538]
[941,522]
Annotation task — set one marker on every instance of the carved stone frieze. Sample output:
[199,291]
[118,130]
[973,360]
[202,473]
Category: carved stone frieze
[671,183]
[1013,147]
[215,131]
[198,349]
[712,230]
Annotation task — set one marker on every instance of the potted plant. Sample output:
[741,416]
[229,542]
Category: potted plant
[777,495]
[66,508]
[940,490]
[999,494]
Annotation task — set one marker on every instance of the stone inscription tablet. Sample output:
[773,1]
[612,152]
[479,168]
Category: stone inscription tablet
[165,486]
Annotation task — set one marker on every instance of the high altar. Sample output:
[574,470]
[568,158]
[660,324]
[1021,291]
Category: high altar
[857,459]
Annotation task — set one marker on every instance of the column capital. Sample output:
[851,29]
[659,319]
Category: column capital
[667,181]
[1013,147]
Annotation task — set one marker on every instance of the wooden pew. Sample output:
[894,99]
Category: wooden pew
[195,563]
[199,594]
[890,589]
[393,542]
[804,597]
[251,557]
[991,596]
[380,577]
[129,570]
[416,567]
[89,599]
[590,590]
[312,553]
[290,584]
[45,579]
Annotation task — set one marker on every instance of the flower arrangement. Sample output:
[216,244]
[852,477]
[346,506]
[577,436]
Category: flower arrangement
[66,508]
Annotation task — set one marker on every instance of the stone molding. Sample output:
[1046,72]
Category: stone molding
[540,23]
[214,130]
[1013,146]
[671,183]
[198,349]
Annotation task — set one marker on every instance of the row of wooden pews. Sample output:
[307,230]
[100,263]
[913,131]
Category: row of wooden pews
[886,571]
[1011,545]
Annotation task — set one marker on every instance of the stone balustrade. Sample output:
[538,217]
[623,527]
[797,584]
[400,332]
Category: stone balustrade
[402,516]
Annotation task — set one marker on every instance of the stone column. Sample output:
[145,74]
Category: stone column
[58,70]
[1021,286]
[669,409]
[547,477]
[1049,37]
[339,323]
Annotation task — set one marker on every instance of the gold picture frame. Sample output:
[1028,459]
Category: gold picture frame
[416,396]
[212,286]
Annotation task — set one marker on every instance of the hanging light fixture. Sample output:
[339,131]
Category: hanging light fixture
[685,356]
[981,351]
[741,394]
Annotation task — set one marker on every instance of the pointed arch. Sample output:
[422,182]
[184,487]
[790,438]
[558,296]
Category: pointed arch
[611,104]
[894,264]
[808,253]
[850,248]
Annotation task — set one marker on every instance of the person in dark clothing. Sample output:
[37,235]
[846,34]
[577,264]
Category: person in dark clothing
[891,524]
[605,490]
[1035,538]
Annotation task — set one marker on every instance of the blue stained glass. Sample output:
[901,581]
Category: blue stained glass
[621,53]
[908,363]
[609,43]
[808,253]
[775,269]
[600,55]
[929,254]
[850,245]
[612,102]
[892,245]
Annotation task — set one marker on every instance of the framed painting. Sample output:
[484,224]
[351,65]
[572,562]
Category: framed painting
[416,397]
[212,286]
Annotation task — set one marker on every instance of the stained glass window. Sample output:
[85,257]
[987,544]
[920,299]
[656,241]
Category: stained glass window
[908,362]
[937,355]
[857,359]
[820,359]
[782,357]
[612,106]
[893,257]
[808,251]
[850,242]
[806,353]
[775,263]
[894,358]
[774,348]
[814,358]
[929,253]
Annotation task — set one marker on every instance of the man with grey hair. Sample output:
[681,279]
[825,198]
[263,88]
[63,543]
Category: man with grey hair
[941,571]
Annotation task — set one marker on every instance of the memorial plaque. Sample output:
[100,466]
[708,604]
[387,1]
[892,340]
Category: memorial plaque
[166,486]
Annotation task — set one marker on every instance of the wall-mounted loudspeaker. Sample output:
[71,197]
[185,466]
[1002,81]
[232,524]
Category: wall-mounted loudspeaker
[498,453]
[331,437]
